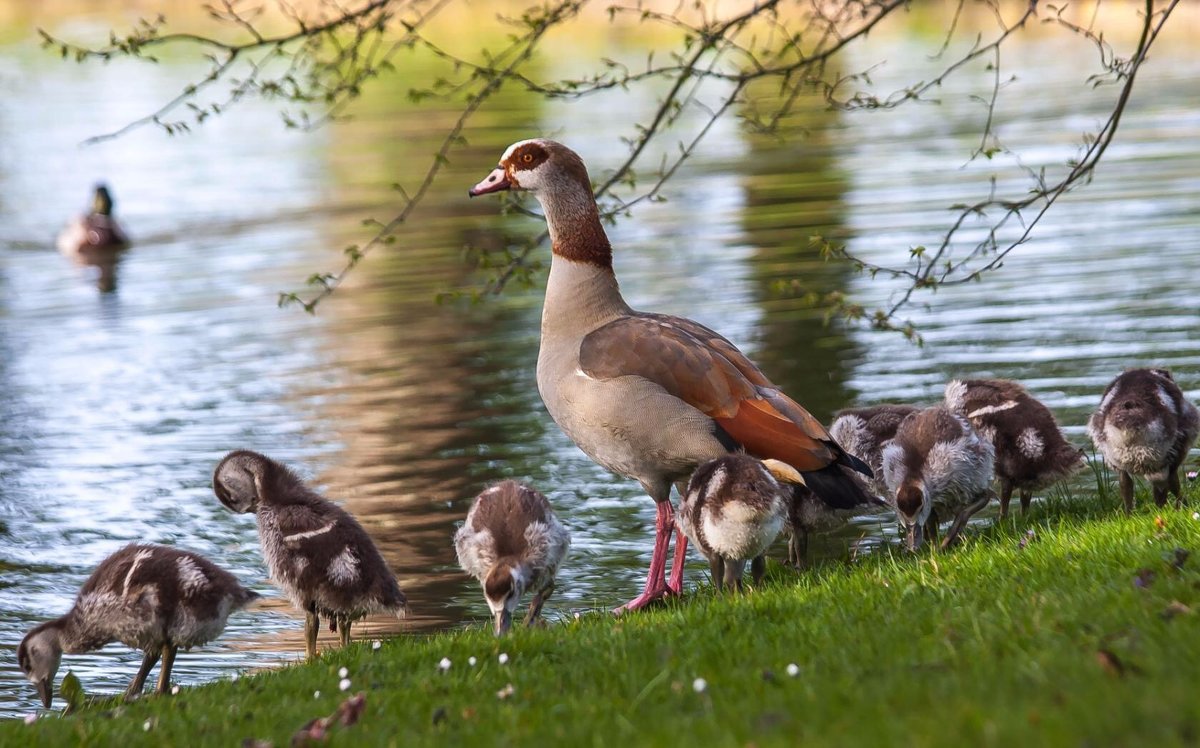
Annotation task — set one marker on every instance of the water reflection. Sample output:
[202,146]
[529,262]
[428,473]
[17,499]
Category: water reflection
[117,407]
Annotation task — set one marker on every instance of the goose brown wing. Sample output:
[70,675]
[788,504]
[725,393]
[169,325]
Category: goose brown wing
[706,371]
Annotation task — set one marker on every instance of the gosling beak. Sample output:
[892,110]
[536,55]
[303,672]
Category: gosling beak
[495,182]
[503,622]
[45,689]
[914,537]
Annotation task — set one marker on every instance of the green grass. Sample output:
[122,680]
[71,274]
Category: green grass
[993,643]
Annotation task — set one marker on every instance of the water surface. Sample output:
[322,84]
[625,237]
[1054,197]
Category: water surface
[117,405]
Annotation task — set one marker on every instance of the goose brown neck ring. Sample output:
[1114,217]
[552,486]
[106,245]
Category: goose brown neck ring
[574,223]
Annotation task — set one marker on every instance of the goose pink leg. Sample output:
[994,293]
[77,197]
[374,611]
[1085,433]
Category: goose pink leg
[656,580]
[675,586]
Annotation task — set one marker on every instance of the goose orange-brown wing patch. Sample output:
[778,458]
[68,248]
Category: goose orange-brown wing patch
[765,432]
[709,373]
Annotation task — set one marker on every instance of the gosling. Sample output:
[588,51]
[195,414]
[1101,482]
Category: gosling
[320,556]
[1031,451]
[149,597]
[1145,427]
[936,463]
[734,508]
[512,543]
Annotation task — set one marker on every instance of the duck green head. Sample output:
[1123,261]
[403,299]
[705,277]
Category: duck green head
[102,202]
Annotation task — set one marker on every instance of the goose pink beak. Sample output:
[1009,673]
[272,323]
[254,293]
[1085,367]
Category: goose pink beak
[494,182]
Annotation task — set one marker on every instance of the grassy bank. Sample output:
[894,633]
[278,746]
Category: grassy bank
[1075,626]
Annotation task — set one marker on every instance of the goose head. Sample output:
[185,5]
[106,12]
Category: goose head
[536,166]
[102,202]
[38,656]
[913,507]
[502,588]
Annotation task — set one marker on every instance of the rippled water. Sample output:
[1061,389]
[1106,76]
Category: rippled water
[116,406]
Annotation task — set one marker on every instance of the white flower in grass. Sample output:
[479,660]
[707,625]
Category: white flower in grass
[342,673]
[793,669]
[1195,515]
[699,685]
[235,676]
[444,665]
[316,694]
[174,690]
[503,658]
[31,718]
[147,725]
[344,684]
[376,644]
[505,692]
[471,661]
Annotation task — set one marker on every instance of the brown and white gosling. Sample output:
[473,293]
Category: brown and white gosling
[1145,427]
[512,543]
[320,556]
[734,508]
[936,463]
[149,597]
[1031,451]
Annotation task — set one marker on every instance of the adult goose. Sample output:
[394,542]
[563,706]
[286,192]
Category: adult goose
[320,556]
[149,597]
[649,396]
[94,231]
[1031,450]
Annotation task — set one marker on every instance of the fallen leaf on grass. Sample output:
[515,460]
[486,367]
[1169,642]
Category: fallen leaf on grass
[317,730]
[313,732]
[1113,665]
[350,710]
[1179,557]
[1144,578]
[1160,523]
[1176,608]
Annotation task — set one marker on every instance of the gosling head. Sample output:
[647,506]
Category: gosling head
[238,480]
[38,656]
[912,510]
[537,165]
[502,588]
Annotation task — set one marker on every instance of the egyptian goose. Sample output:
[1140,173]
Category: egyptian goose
[1145,427]
[149,597]
[935,463]
[316,552]
[648,396]
[1031,451]
[94,231]
[733,509]
[512,543]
